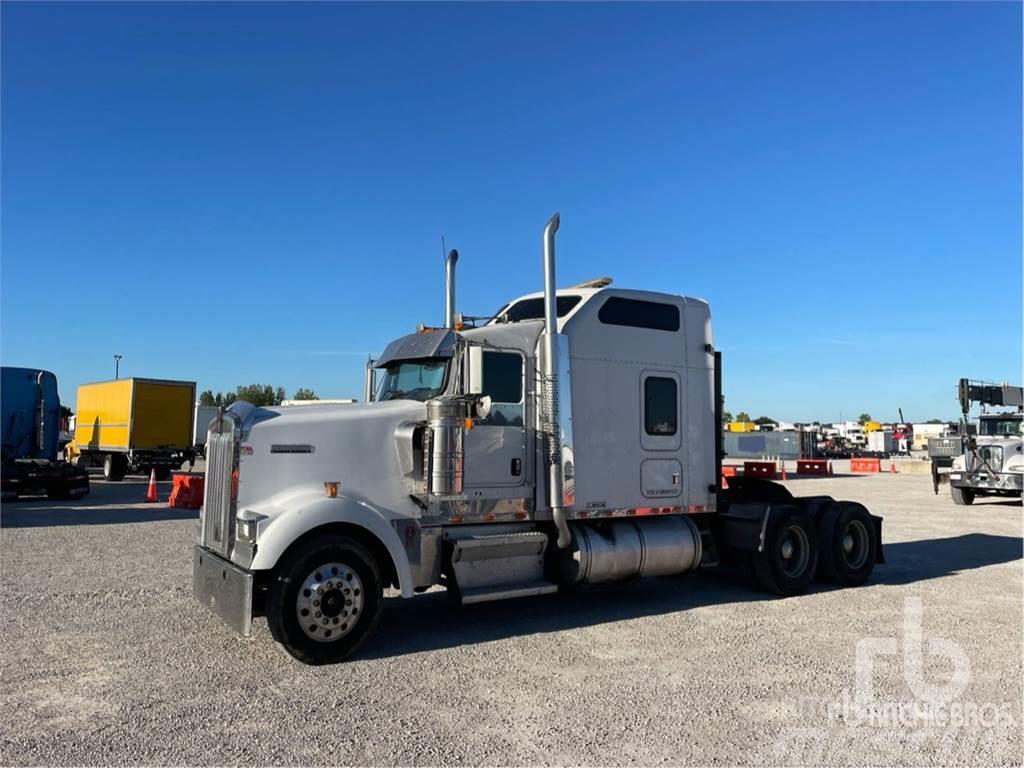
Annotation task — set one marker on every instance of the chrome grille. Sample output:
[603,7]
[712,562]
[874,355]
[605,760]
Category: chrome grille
[990,454]
[218,510]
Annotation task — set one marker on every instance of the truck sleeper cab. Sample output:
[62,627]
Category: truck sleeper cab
[571,439]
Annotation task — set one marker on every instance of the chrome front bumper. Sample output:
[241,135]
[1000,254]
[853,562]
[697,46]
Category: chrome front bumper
[224,588]
[1003,481]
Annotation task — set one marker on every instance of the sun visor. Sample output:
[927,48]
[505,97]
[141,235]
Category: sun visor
[433,342]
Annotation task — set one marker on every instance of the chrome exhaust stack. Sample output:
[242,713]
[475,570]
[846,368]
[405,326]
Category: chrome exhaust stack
[449,288]
[551,401]
[368,381]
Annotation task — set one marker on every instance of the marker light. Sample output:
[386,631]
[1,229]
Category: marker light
[331,488]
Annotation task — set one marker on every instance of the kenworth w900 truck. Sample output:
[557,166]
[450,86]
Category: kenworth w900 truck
[572,438]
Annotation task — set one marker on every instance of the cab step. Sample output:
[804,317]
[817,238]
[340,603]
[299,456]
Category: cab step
[507,592]
[500,566]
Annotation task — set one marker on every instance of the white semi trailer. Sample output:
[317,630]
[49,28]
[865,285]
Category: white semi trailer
[570,439]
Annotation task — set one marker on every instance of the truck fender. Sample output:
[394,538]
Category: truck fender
[305,513]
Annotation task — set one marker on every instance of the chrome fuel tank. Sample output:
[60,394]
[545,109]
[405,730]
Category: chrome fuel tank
[618,550]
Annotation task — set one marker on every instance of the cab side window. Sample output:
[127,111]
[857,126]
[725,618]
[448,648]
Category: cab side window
[503,383]
[661,411]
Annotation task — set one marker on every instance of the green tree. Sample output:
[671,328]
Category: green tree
[305,394]
[206,397]
[864,418]
[742,416]
[726,417]
[762,420]
[258,394]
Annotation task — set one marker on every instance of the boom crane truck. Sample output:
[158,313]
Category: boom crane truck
[573,438]
[990,463]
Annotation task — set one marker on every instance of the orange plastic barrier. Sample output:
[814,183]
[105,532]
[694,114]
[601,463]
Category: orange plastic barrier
[811,467]
[728,471]
[187,490]
[865,465]
[759,469]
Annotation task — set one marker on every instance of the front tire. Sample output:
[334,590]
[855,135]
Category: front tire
[961,496]
[325,600]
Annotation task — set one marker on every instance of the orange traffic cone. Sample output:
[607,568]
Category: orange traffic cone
[725,483]
[892,467]
[151,491]
[830,472]
[783,469]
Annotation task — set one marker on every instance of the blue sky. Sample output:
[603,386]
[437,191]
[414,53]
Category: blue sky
[255,193]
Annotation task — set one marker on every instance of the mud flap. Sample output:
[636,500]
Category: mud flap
[744,526]
[879,554]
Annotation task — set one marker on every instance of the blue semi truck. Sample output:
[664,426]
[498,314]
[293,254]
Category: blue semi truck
[30,409]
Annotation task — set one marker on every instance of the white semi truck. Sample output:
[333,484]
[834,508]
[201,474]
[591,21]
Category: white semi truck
[991,462]
[572,438]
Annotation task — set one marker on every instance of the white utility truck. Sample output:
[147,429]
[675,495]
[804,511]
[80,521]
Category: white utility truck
[572,438]
[853,433]
[990,463]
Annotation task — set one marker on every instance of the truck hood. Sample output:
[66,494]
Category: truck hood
[1013,458]
[1007,443]
[298,448]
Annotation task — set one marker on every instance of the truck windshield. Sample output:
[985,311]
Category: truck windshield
[1001,427]
[412,380]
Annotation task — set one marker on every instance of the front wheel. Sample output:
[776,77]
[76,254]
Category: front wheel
[961,496]
[325,600]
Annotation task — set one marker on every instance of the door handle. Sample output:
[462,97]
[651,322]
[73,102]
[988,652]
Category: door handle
[517,467]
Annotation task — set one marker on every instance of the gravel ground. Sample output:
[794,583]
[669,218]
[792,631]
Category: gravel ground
[107,659]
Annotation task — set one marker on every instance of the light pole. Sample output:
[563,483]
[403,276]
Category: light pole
[117,366]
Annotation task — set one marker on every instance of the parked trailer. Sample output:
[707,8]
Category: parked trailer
[133,425]
[574,438]
[204,414]
[30,413]
[881,443]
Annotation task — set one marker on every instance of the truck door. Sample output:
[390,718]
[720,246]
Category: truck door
[495,448]
[661,472]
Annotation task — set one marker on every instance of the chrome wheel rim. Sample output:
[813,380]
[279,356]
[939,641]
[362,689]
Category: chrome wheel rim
[856,544]
[329,602]
[795,551]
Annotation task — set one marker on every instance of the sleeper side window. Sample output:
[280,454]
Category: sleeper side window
[661,412]
[634,313]
[503,383]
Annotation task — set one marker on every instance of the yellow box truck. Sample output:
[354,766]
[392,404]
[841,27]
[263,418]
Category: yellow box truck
[134,425]
[741,426]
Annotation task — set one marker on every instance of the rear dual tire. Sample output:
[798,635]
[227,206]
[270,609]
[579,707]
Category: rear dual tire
[849,544]
[789,559]
[839,544]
